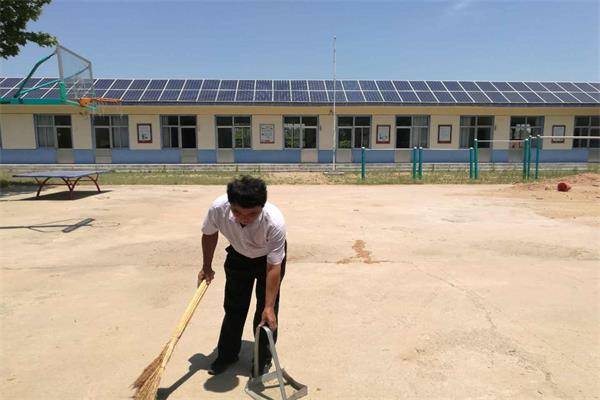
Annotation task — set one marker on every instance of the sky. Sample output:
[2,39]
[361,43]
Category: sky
[529,40]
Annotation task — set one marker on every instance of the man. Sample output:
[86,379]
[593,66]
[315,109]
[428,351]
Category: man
[256,233]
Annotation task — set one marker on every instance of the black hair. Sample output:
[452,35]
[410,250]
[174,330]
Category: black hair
[247,192]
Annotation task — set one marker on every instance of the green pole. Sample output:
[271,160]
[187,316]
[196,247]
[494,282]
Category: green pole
[414,163]
[524,159]
[476,159]
[420,163]
[538,142]
[529,157]
[470,163]
[363,171]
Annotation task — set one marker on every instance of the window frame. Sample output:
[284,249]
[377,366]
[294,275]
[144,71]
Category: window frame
[411,127]
[515,141]
[232,127]
[354,128]
[179,126]
[585,143]
[476,127]
[55,127]
[302,128]
[111,125]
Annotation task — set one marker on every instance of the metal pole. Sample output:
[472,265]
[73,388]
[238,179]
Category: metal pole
[476,159]
[414,163]
[420,163]
[529,157]
[334,147]
[538,143]
[470,163]
[524,159]
[363,167]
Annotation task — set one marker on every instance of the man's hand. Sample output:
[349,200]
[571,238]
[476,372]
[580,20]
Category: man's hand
[207,274]
[268,317]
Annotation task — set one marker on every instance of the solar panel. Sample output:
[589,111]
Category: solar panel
[318,96]
[372,95]
[263,95]
[469,86]
[486,86]
[3,91]
[390,96]
[31,83]
[583,97]
[355,96]
[496,97]
[192,84]
[175,84]
[436,86]
[226,95]
[536,87]
[596,85]
[453,86]
[208,94]
[229,85]
[350,85]
[157,84]
[264,85]
[385,85]
[531,97]
[443,97]
[368,85]
[282,85]
[551,86]
[11,82]
[548,97]
[339,96]
[281,95]
[55,94]
[426,97]
[103,83]
[136,84]
[246,85]
[514,97]
[121,84]
[151,95]
[114,94]
[316,85]
[569,87]
[170,95]
[132,95]
[300,96]
[244,95]
[519,86]
[566,97]
[36,94]
[503,86]
[595,96]
[586,87]
[189,95]
[408,97]
[210,84]
[402,85]
[299,85]
[419,85]
[338,85]
[462,97]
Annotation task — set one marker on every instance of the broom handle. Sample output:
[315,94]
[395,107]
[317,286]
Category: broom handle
[189,311]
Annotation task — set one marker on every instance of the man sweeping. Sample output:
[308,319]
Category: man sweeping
[256,232]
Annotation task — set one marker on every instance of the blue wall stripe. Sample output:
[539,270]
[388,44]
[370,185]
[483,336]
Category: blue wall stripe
[266,156]
[573,155]
[325,156]
[42,155]
[164,156]
[84,156]
[207,156]
[374,156]
[442,156]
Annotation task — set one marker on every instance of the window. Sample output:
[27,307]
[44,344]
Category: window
[234,132]
[478,127]
[178,129]
[111,131]
[533,126]
[587,126]
[354,132]
[412,131]
[53,131]
[300,132]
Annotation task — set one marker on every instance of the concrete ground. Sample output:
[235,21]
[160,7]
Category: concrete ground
[391,292]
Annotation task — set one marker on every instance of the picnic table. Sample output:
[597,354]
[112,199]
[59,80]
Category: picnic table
[69,178]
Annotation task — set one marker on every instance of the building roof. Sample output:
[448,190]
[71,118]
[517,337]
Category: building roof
[321,92]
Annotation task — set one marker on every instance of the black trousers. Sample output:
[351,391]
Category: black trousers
[240,274]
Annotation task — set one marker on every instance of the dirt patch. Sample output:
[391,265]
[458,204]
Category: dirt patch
[362,254]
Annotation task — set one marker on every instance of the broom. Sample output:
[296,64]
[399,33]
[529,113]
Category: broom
[146,385]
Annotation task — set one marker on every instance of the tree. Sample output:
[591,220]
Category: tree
[14,16]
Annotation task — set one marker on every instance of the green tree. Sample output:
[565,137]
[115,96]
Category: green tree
[14,16]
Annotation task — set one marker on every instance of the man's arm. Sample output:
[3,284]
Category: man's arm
[273,281]
[209,243]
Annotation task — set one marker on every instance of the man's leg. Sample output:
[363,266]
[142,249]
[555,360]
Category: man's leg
[238,293]
[264,354]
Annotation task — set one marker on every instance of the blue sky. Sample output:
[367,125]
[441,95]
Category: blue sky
[463,39]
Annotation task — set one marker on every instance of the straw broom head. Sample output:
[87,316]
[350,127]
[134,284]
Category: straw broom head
[146,385]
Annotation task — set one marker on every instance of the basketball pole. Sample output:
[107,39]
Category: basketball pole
[334,147]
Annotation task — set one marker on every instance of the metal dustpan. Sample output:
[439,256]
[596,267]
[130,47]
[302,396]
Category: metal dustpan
[257,384]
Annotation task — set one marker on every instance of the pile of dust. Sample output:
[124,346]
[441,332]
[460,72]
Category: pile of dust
[586,183]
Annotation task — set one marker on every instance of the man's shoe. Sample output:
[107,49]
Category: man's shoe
[221,364]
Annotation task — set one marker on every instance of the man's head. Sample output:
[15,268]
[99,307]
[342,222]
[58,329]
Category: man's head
[247,196]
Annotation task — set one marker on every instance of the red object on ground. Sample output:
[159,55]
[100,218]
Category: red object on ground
[563,187]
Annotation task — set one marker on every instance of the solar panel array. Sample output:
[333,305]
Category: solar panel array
[213,91]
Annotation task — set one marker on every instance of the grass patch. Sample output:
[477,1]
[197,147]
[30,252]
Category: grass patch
[305,178]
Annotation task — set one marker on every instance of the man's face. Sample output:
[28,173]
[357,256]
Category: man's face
[245,216]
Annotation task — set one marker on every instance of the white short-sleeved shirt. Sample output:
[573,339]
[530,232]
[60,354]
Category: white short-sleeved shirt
[265,236]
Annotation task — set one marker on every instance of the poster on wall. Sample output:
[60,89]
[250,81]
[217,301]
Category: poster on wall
[444,133]
[558,134]
[267,133]
[144,133]
[383,133]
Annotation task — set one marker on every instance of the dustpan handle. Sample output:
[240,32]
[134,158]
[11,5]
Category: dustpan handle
[273,354]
